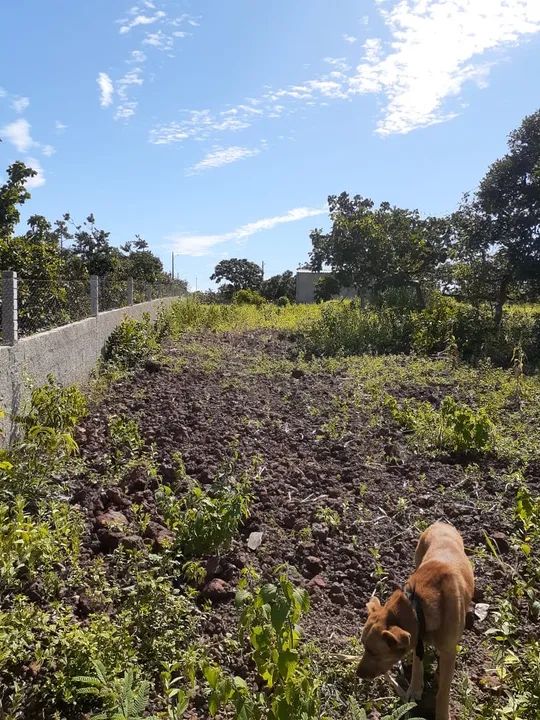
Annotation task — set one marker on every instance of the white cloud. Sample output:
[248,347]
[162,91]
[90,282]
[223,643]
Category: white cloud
[48,150]
[39,179]
[3,93]
[435,47]
[106,89]
[18,134]
[160,40]
[223,156]
[136,57]
[141,20]
[59,126]
[431,50]
[19,104]
[198,245]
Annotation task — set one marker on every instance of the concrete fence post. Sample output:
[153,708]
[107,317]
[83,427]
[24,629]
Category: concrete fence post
[148,291]
[10,317]
[130,291]
[94,294]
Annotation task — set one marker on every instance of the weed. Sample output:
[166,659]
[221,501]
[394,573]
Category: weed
[123,698]
[130,343]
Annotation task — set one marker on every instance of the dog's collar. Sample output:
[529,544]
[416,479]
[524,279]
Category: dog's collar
[418,610]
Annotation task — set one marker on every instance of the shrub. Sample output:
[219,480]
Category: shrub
[248,297]
[130,343]
[55,407]
[344,328]
[283,301]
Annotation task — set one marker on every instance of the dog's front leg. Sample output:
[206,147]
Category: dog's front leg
[416,688]
[447,665]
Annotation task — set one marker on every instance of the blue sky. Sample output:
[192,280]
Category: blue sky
[218,129]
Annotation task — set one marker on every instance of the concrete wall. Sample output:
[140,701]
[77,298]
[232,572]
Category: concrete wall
[305,286]
[69,353]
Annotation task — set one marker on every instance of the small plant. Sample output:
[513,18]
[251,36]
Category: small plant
[204,522]
[355,712]
[328,516]
[123,698]
[454,428]
[55,407]
[269,617]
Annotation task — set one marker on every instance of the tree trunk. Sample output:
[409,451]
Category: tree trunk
[502,297]
[420,298]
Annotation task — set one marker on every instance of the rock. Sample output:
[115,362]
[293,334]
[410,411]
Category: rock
[317,583]
[111,519]
[500,541]
[162,537]
[109,539]
[314,565]
[152,366]
[297,373]
[114,496]
[319,531]
[217,590]
[254,540]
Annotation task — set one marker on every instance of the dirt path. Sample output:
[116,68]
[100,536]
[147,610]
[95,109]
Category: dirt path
[341,498]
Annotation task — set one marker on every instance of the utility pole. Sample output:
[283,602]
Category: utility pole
[172,265]
[262,267]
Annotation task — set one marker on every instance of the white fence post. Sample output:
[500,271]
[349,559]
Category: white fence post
[130,291]
[94,294]
[10,318]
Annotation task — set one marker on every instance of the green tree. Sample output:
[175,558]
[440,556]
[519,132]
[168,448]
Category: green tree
[277,286]
[13,193]
[498,229]
[326,288]
[140,263]
[240,274]
[92,245]
[375,249]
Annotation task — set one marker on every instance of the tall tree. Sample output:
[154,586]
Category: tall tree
[498,229]
[374,249]
[92,245]
[240,274]
[13,193]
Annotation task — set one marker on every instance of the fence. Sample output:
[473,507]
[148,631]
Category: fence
[31,305]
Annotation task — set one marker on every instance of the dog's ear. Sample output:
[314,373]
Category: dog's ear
[397,638]
[373,604]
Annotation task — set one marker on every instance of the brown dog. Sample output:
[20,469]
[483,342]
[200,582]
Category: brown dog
[432,607]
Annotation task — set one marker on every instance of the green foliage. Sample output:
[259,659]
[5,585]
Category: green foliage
[123,698]
[344,328]
[283,301]
[248,297]
[239,274]
[373,249]
[202,521]
[454,427]
[327,288]
[355,712]
[55,407]
[32,548]
[279,286]
[130,343]
[269,617]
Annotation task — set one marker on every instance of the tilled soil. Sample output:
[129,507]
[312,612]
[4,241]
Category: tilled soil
[213,393]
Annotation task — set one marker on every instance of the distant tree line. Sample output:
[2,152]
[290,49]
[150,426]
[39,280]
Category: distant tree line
[488,250]
[54,260]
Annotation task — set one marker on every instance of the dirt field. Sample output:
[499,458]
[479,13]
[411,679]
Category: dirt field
[340,497]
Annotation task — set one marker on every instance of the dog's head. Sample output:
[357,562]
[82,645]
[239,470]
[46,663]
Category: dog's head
[385,642]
